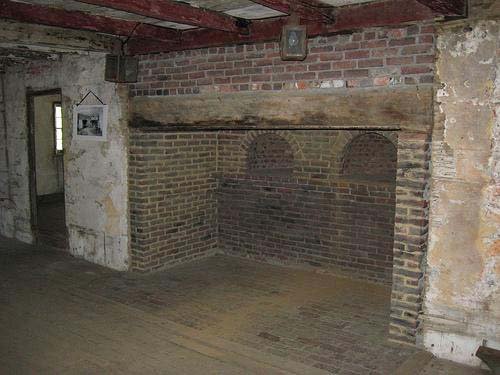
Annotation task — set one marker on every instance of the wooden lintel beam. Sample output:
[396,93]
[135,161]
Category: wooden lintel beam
[37,14]
[172,11]
[385,13]
[305,9]
[53,39]
[448,8]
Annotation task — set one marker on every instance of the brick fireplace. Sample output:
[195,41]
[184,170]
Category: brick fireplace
[344,192]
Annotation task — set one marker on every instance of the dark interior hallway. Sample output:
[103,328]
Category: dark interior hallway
[51,221]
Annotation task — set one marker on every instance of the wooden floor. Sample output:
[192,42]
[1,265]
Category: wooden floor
[217,316]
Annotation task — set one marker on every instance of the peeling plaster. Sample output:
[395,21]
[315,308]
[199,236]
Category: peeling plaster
[96,189]
[462,299]
[470,42]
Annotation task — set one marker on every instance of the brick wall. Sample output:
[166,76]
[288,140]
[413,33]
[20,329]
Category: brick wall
[345,226]
[172,198]
[194,193]
[311,215]
[374,57]
[410,235]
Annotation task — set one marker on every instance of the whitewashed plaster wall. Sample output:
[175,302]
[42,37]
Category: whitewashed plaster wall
[462,300]
[96,189]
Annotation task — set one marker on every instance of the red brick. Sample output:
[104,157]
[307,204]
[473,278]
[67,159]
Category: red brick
[240,79]
[330,74]
[321,49]
[427,29]
[382,81]
[320,66]
[213,73]
[426,79]
[197,75]
[233,72]
[252,71]
[260,78]
[356,73]
[418,49]
[370,63]
[374,44]
[347,46]
[425,59]
[385,52]
[243,64]
[402,42]
[283,77]
[400,60]
[416,69]
[263,62]
[396,33]
[426,39]
[369,35]
[344,65]
[296,68]
[363,54]
[331,56]
[222,81]
[300,76]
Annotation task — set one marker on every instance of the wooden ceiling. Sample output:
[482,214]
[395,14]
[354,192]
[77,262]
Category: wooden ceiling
[147,26]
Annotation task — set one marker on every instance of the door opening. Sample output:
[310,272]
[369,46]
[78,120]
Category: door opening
[45,122]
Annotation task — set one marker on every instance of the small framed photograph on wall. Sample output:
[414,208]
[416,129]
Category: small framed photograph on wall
[90,122]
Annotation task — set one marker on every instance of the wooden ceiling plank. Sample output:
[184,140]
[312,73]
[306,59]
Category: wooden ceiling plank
[306,9]
[37,14]
[385,13]
[449,8]
[172,11]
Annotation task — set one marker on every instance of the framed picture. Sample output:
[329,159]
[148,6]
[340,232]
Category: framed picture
[90,122]
[294,42]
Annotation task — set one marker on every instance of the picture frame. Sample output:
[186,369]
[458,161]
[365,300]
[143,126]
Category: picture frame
[293,43]
[90,122]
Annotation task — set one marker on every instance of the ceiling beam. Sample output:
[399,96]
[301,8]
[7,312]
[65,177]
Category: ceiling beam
[37,14]
[54,39]
[385,13]
[172,11]
[448,8]
[305,9]
[9,56]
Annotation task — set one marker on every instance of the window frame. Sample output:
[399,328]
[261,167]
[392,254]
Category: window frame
[54,123]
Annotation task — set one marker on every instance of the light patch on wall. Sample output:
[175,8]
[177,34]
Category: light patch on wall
[112,216]
[454,347]
[471,41]
[444,165]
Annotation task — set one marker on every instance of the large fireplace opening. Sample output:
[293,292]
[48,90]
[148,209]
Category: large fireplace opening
[315,198]
[347,200]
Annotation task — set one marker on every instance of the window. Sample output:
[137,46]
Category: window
[58,127]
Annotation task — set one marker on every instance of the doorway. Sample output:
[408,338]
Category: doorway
[45,123]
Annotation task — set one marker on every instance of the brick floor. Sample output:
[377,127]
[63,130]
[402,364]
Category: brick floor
[331,323]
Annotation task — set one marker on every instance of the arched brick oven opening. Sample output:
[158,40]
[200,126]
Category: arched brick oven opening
[270,154]
[370,156]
